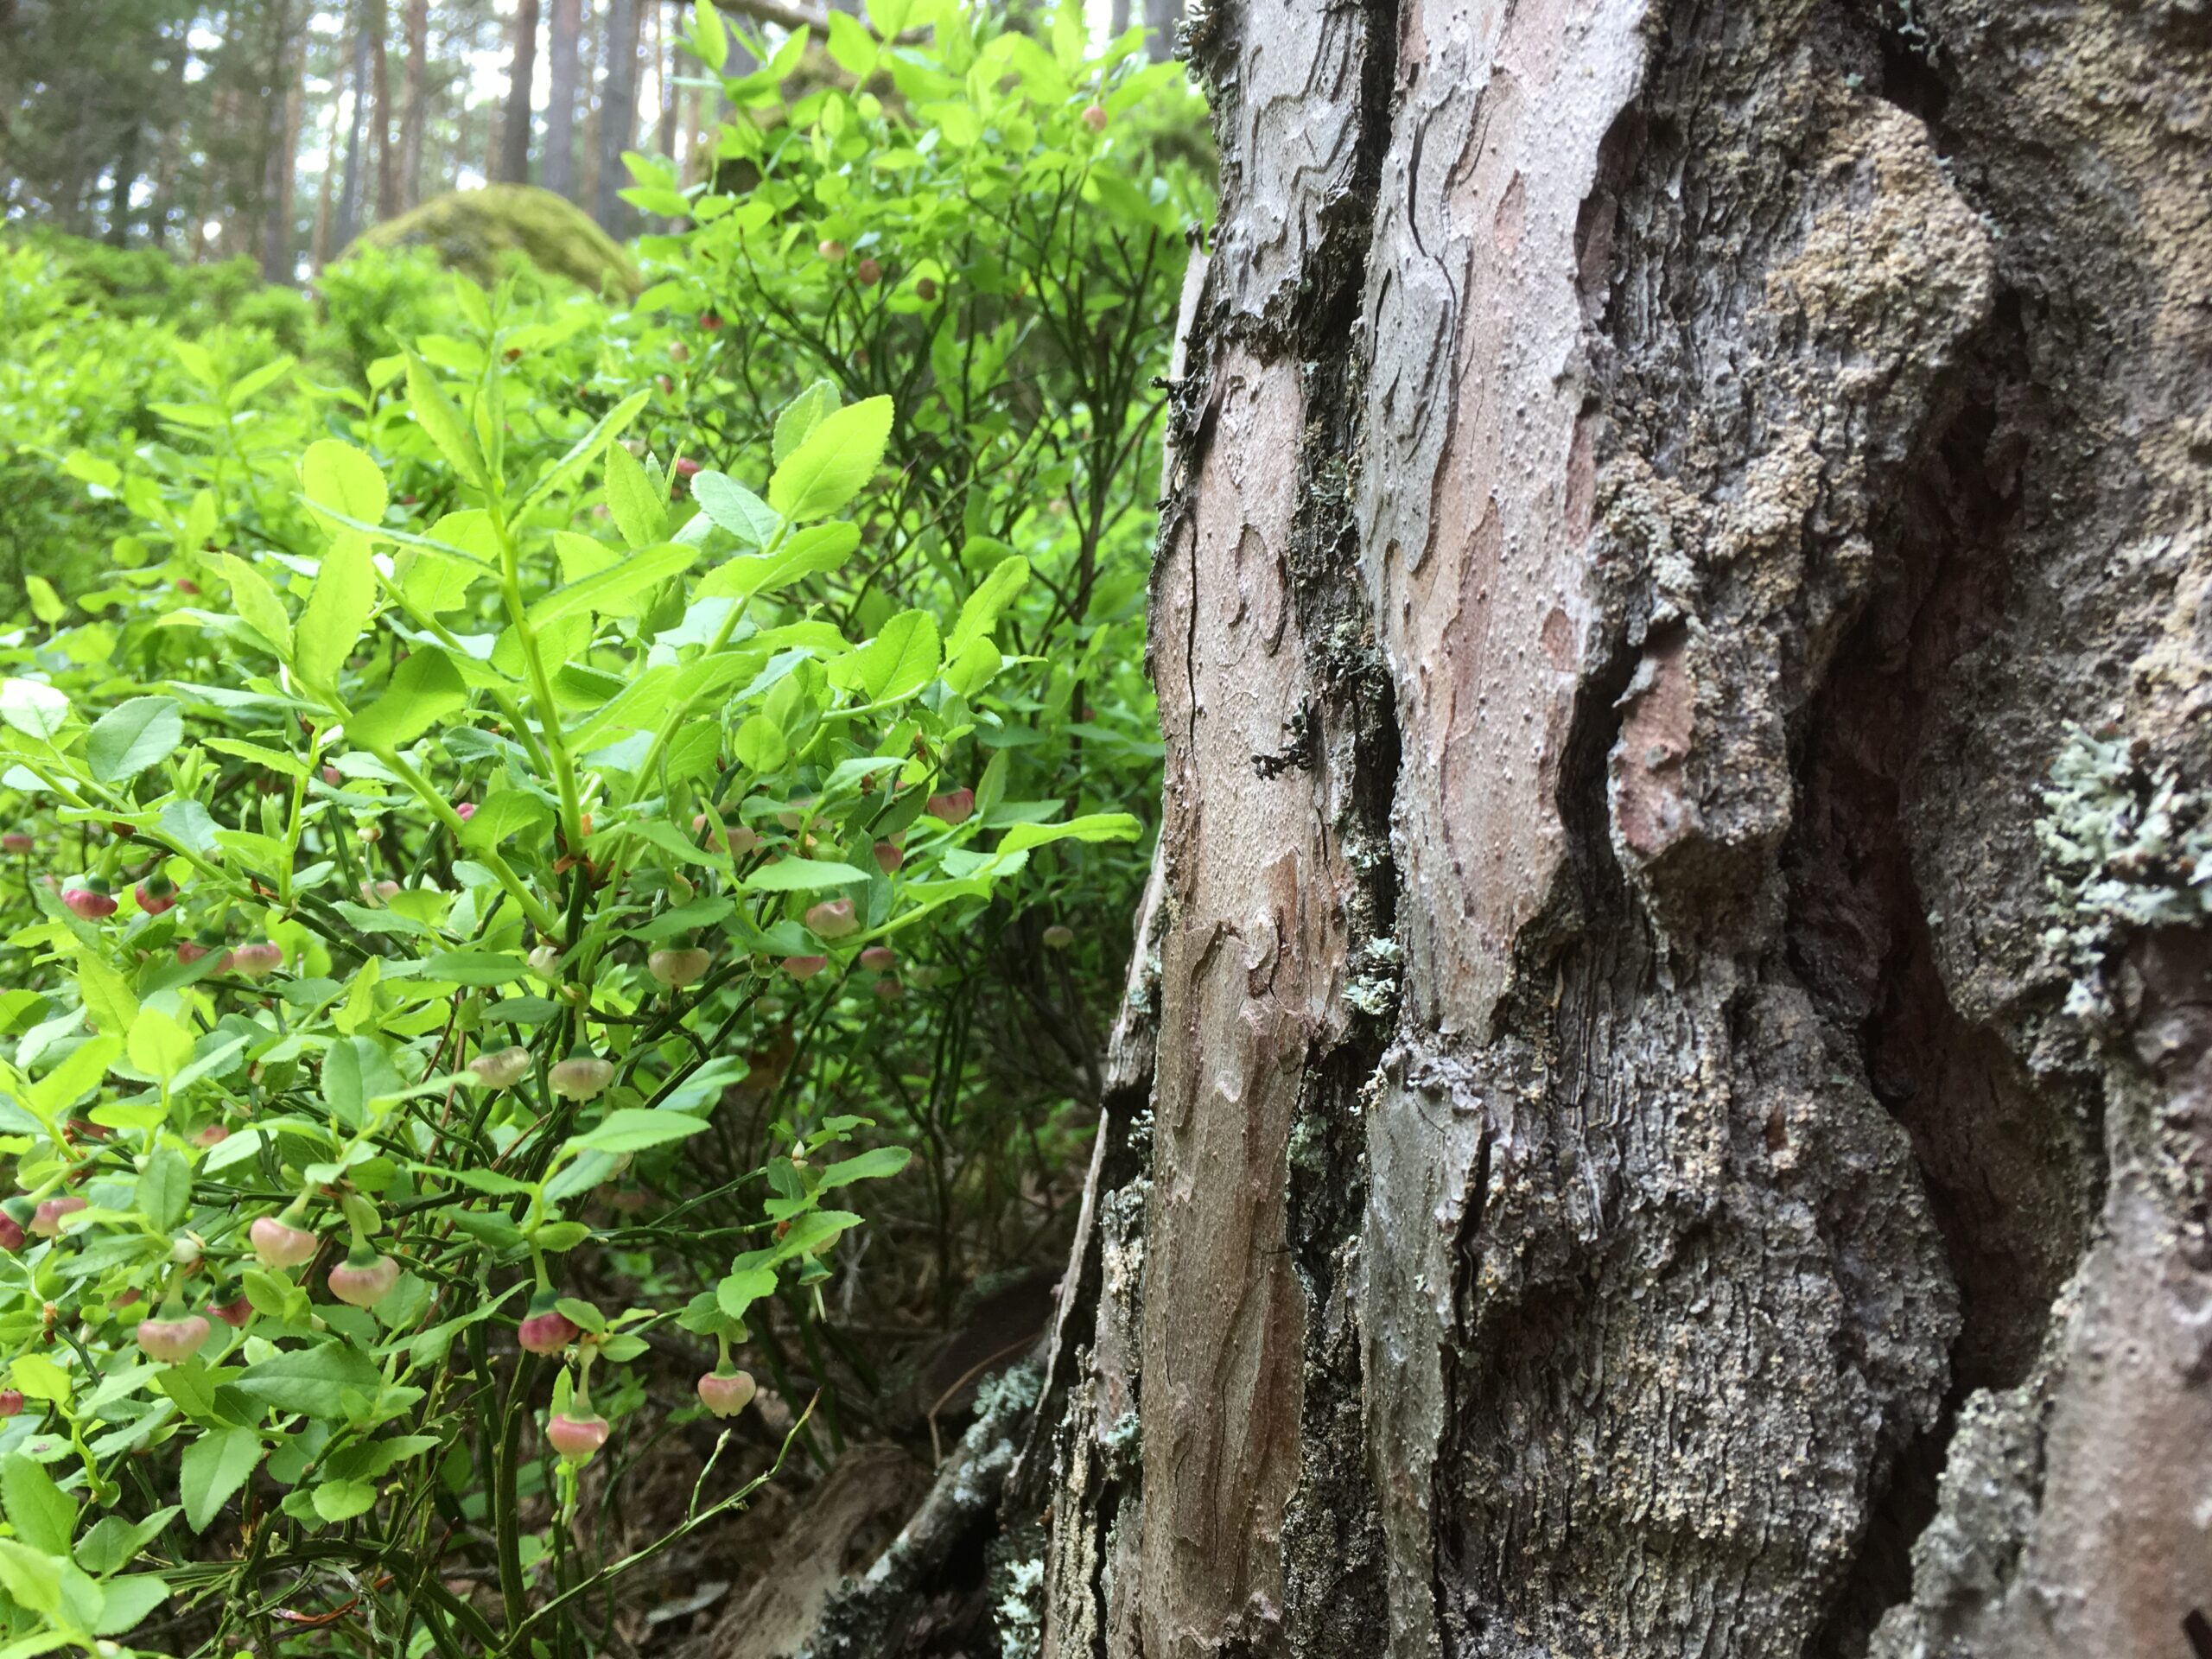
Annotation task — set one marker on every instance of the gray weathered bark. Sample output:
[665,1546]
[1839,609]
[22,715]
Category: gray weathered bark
[1677,984]
[1682,1097]
[559,169]
[618,117]
[522,75]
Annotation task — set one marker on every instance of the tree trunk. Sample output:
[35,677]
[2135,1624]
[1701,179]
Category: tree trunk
[558,173]
[514,128]
[618,116]
[277,153]
[348,221]
[1682,1097]
[416,115]
[387,170]
[1160,19]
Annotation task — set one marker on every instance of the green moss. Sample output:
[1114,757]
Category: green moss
[476,232]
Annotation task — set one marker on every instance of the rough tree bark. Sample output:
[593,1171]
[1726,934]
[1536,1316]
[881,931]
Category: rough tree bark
[1683,1098]
[514,125]
[559,168]
[414,118]
[618,117]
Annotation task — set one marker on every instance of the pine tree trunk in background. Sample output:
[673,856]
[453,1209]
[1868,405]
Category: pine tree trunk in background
[118,196]
[1160,18]
[618,116]
[514,127]
[1117,19]
[416,115]
[558,173]
[319,244]
[348,220]
[277,147]
[387,170]
[1669,1133]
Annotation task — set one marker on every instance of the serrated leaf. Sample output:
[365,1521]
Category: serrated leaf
[798,418]
[337,610]
[1094,826]
[215,1465]
[164,1190]
[426,690]
[801,875]
[312,1380]
[836,460]
[106,995]
[341,1500]
[982,611]
[815,550]
[616,584]
[257,604]
[631,1128]
[639,511]
[33,708]
[158,1046]
[133,736]
[336,475]
[735,508]
[900,660]
[440,418]
[43,1515]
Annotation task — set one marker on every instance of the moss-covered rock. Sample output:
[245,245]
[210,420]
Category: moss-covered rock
[473,231]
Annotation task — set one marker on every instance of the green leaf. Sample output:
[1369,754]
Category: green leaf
[982,611]
[901,659]
[797,418]
[608,427]
[33,708]
[311,1379]
[216,1465]
[338,476]
[615,584]
[502,813]
[113,1542]
[735,508]
[158,1046]
[127,1603]
[801,875]
[426,690]
[256,601]
[337,610]
[164,1191]
[708,38]
[474,967]
[43,1515]
[438,415]
[1094,826]
[838,458]
[640,511]
[740,1290]
[760,745]
[868,1166]
[32,1579]
[106,995]
[355,1072]
[132,736]
[45,605]
[82,1071]
[632,1130]
[341,1500]
[813,551]
[39,1377]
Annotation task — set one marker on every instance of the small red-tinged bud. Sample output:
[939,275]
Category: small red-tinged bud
[686,467]
[186,585]
[46,1221]
[189,952]
[794,815]
[576,1439]
[832,918]
[666,385]
[878,958]
[11,1403]
[514,353]
[673,968]
[954,806]
[213,1136]
[868,273]
[129,1298]
[332,777]
[187,1248]
[547,1330]
[11,1234]
[726,1393]
[1058,936]
[1095,118]
[830,249]
[803,968]
[710,320]
[887,990]
[17,840]
[465,811]
[581,1077]
[545,963]
[234,1313]
[364,1278]
[278,1244]
[679,353]
[369,834]
[406,500]
[88,902]
[501,1068]
[173,1341]
[258,961]
[125,830]
[155,895]
[924,290]
[377,891]
[889,856]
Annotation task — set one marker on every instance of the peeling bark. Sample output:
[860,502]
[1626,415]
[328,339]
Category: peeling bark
[1678,973]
